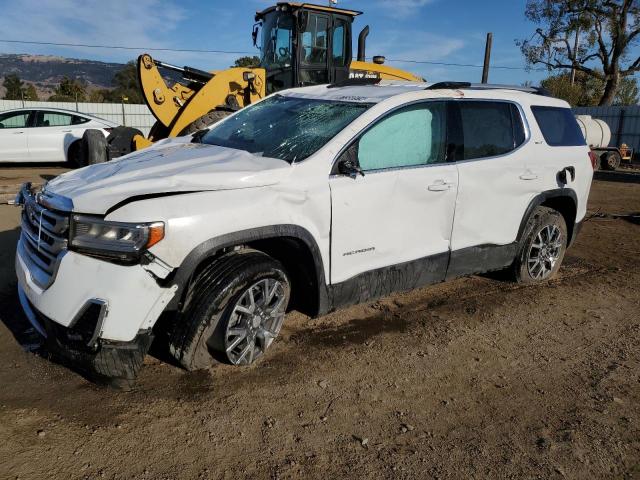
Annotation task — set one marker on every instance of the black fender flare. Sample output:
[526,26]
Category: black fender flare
[207,249]
[543,197]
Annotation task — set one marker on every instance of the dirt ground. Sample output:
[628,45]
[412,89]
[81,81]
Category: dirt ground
[476,378]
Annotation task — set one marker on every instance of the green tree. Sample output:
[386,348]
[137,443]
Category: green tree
[30,93]
[69,90]
[247,62]
[587,90]
[627,93]
[126,85]
[100,96]
[14,87]
[608,31]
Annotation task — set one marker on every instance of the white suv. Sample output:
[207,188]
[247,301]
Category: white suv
[312,199]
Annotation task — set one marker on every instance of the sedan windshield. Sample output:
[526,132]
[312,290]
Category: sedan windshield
[287,128]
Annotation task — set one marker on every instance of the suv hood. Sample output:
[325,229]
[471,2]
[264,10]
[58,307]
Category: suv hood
[173,167]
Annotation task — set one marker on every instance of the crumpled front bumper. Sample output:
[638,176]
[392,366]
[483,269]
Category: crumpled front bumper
[129,297]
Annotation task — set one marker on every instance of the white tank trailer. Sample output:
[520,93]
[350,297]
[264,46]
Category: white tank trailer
[598,135]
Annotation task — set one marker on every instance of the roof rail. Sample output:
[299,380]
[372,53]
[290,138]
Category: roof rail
[488,86]
[448,85]
[351,82]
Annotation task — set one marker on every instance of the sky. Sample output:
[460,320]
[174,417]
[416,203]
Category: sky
[449,31]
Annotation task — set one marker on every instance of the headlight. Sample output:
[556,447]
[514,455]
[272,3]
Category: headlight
[114,240]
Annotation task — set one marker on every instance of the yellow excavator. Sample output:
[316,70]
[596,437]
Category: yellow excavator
[300,44]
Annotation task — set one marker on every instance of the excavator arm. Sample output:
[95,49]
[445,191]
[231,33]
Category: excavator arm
[176,107]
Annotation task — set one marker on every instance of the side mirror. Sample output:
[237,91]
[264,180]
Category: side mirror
[348,162]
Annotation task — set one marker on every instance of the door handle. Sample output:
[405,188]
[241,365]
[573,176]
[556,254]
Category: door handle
[439,186]
[66,131]
[529,175]
[17,133]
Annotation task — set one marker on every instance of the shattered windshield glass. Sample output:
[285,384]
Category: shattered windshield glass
[287,128]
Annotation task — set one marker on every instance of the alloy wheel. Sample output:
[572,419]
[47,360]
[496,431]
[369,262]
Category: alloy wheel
[255,321]
[544,252]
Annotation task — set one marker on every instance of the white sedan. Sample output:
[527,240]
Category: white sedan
[46,134]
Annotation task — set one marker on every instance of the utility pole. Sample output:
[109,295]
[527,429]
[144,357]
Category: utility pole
[575,55]
[124,119]
[487,58]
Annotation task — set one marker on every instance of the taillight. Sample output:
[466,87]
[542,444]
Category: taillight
[594,159]
[108,129]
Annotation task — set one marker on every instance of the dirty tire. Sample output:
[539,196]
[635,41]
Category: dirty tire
[198,336]
[94,147]
[75,155]
[204,121]
[120,141]
[541,218]
[598,165]
[611,161]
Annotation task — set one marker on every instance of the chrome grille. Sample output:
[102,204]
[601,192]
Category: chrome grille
[43,240]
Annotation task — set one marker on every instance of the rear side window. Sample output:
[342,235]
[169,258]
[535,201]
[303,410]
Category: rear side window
[487,129]
[52,119]
[558,126]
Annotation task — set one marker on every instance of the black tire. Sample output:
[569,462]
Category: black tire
[94,147]
[120,141]
[598,165]
[541,218]
[204,121]
[75,155]
[199,333]
[158,132]
[611,160]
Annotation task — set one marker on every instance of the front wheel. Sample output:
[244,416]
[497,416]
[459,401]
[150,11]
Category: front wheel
[233,312]
[542,248]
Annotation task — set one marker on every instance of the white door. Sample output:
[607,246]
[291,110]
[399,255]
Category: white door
[51,136]
[496,181]
[401,210]
[14,145]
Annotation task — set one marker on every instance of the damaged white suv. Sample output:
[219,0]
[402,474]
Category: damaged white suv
[311,199]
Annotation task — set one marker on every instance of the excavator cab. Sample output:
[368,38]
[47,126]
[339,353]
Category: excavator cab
[303,44]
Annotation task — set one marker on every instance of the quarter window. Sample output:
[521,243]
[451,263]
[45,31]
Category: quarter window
[559,127]
[14,120]
[489,128]
[412,136]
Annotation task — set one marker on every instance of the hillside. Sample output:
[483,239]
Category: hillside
[50,69]
[45,72]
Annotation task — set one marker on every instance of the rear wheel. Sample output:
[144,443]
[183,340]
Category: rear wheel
[542,247]
[94,147]
[611,160]
[233,312]
[204,121]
